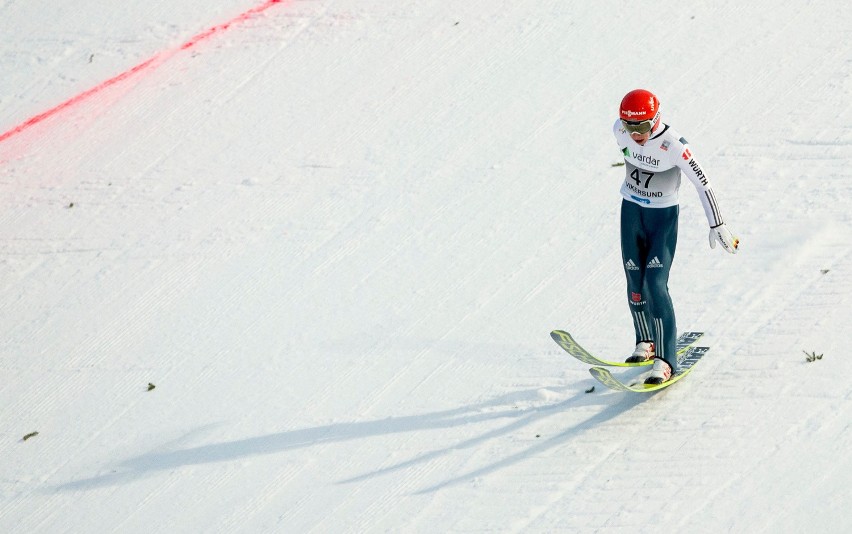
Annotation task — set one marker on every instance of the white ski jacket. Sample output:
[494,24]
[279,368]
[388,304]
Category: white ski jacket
[653,171]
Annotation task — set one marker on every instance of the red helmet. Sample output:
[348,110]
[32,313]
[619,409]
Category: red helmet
[639,105]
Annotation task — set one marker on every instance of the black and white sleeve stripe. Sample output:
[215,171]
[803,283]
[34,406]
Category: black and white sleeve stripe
[712,208]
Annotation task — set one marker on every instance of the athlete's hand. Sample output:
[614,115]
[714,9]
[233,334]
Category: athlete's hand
[725,238]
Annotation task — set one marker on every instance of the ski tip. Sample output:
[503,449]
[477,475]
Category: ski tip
[600,372]
[559,335]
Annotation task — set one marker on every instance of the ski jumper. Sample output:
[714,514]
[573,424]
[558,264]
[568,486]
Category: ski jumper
[649,217]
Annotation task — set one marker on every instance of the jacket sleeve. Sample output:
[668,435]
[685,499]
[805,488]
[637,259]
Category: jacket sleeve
[695,172]
[618,133]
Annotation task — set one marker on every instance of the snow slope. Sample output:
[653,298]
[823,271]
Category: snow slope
[336,234]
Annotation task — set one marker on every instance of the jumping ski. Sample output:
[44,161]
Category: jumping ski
[687,362]
[564,340]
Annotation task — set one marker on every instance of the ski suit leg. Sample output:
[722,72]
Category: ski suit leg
[648,243]
[633,253]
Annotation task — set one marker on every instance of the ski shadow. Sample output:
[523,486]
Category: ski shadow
[611,412]
[531,417]
[503,407]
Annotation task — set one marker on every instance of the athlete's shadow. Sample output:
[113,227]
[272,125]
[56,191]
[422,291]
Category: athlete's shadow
[504,407]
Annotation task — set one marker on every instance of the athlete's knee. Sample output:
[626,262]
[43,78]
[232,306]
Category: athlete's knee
[657,282]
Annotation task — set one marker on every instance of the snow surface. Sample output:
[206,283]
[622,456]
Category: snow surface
[336,235]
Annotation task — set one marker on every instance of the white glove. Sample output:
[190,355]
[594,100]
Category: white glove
[724,237]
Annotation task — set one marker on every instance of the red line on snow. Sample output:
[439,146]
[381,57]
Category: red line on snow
[155,60]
